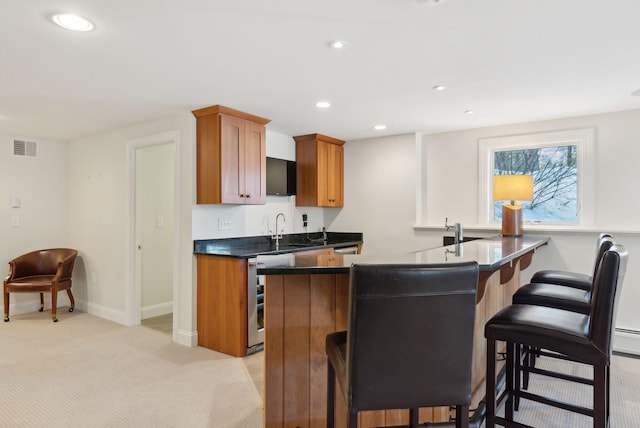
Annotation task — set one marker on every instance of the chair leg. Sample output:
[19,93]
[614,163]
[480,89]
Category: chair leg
[608,373]
[353,419]
[509,385]
[462,416]
[331,395]
[490,396]
[41,302]
[600,396]
[72,302]
[54,304]
[413,417]
[517,373]
[6,305]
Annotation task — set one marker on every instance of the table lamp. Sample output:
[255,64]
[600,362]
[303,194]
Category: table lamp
[512,188]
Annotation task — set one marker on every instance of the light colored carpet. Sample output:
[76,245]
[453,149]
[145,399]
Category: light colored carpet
[625,390]
[88,372]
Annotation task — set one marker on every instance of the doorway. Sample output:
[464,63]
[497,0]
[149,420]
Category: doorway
[155,176]
[154,237]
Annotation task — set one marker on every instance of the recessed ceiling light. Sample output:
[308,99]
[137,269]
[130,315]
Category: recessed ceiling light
[470,111]
[323,104]
[72,22]
[380,127]
[338,44]
[439,88]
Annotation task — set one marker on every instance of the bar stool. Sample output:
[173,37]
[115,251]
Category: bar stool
[567,290]
[573,279]
[409,343]
[582,338]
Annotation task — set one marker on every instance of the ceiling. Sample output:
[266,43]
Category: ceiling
[510,61]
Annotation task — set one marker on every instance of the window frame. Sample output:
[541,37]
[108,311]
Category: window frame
[582,138]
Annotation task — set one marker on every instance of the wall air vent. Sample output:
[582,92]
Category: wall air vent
[25,148]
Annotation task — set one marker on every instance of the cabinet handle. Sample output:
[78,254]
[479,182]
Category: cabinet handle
[247,196]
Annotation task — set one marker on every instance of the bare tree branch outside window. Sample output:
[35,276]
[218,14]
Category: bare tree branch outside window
[554,171]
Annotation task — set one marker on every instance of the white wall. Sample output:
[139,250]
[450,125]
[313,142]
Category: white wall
[41,185]
[380,177]
[381,182]
[100,215]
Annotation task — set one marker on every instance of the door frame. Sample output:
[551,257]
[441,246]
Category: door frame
[133,299]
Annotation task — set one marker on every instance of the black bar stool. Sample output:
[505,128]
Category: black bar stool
[573,279]
[579,337]
[410,340]
[565,290]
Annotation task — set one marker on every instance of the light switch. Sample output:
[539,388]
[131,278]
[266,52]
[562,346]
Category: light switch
[159,221]
[15,202]
[224,224]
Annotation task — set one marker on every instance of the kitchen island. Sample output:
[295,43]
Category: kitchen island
[306,298]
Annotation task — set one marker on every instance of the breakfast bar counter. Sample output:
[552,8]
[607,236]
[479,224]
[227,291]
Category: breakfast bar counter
[306,298]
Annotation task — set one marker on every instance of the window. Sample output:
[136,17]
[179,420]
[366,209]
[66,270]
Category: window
[560,163]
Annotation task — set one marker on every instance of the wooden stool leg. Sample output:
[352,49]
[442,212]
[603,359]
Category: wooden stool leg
[517,374]
[509,386]
[462,416]
[54,304]
[331,395]
[71,300]
[6,305]
[599,396]
[490,396]
[413,418]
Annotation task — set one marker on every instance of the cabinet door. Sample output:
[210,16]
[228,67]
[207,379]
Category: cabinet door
[255,164]
[335,176]
[232,136]
[330,175]
[323,176]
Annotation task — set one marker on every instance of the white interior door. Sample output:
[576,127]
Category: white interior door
[154,228]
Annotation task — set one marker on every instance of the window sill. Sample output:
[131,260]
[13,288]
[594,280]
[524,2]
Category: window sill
[534,228]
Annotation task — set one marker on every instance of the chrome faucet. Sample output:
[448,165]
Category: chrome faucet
[324,235]
[278,235]
[458,234]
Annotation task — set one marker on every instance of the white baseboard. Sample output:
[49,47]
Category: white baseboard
[626,341]
[187,338]
[107,313]
[157,310]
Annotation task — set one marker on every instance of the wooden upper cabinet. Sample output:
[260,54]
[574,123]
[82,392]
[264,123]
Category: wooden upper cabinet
[320,162]
[230,157]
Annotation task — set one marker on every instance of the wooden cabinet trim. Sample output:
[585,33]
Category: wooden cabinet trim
[218,109]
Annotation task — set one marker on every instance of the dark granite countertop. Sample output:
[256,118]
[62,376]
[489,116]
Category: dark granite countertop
[490,253]
[252,246]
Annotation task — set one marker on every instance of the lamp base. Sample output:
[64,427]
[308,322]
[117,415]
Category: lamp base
[512,220]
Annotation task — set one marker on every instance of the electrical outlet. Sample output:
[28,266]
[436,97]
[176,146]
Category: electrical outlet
[224,224]
[94,279]
[15,221]
[304,220]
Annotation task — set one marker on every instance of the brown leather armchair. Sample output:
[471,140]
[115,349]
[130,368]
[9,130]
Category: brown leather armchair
[41,271]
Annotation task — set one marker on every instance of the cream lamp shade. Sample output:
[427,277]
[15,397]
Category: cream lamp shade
[512,188]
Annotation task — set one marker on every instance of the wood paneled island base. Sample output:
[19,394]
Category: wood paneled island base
[302,306]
